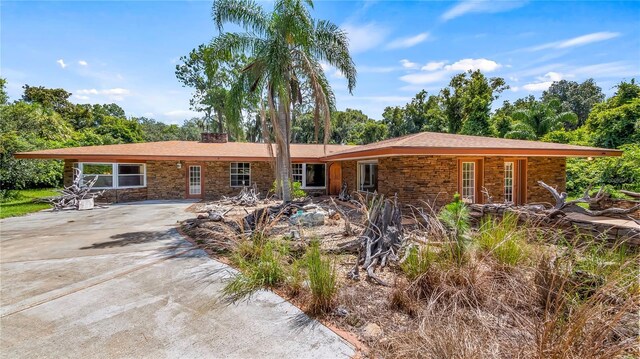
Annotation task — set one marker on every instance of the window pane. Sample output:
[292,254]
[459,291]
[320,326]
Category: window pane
[103,181]
[315,175]
[97,169]
[128,181]
[468,181]
[296,172]
[240,173]
[130,169]
[508,181]
[368,177]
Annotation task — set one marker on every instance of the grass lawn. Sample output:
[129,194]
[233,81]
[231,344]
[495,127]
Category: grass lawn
[26,202]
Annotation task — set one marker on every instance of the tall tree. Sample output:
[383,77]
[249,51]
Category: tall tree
[210,78]
[538,119]
[617,120]
[54,99]
[393,117]
[575,97]
[467,102]
[4,97]
[285,48]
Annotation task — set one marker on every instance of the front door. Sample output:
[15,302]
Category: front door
[335,178]
[194,181]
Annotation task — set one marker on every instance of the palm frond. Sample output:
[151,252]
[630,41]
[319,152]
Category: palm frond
[332,46]
[246,13]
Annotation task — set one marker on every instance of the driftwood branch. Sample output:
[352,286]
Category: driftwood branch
[380,241]
[80,189]
[248,196]
[631,194]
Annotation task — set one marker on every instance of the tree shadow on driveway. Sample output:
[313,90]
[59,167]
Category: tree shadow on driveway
[131,238]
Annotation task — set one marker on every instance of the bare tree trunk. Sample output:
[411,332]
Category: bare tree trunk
[220,121]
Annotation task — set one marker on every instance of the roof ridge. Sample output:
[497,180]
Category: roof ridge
[406,138]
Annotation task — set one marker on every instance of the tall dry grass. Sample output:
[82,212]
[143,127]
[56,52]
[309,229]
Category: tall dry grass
[522,293]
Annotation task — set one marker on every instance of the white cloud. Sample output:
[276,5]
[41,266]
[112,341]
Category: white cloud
[577,41]
[113,94]
[436,71]
[82,63]
[364,37]
[408,64]
[480,6]
[61,63]
[424,78]
[483,65]
[433,66]
[609,69]
[407,42]
[81,97]
[543,82]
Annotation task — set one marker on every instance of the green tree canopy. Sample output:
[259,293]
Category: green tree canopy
[578,98]
[617,120]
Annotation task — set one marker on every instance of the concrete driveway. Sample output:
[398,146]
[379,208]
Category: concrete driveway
[121,282]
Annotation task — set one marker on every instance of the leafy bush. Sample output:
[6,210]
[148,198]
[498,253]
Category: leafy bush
[322,279]
[618,172]
[503,239]
[296,189]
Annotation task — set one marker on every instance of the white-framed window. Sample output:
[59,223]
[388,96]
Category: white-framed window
[469,181]
[297,170]
[508,181]
[114,175]
[309,175]
[368,176]
[240,173]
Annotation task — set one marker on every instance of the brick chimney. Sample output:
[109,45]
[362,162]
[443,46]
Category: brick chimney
[207,137]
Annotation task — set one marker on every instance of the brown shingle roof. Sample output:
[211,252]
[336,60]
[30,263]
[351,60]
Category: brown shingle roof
[183,150]
[432,143]
[424,143]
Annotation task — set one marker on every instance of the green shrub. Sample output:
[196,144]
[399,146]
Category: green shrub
[455,216]
[322,280]
[503,239]
[296,189]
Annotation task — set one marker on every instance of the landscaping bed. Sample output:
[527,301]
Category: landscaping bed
[501,289]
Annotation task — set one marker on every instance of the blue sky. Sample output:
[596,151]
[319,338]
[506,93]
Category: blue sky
[126,52]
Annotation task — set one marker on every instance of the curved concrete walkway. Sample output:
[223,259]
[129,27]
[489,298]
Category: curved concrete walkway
[121,282]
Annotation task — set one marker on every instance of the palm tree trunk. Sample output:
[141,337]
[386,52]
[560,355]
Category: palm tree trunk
[282,152]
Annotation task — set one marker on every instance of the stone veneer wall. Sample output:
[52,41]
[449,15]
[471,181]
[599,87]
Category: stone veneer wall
[165,180]
[418,178]
[551,170]
[349,175]
[218,180]
[435,178]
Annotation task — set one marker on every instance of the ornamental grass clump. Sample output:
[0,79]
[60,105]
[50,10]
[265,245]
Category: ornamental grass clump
[418,261]
[261,265]
[322,280]
[503,239]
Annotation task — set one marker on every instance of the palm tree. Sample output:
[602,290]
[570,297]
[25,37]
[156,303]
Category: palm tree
[539,119]
[286,48]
